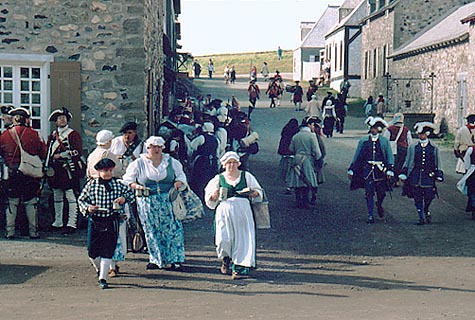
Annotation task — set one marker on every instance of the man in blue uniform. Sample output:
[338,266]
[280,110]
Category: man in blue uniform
[372,166]
[421,170]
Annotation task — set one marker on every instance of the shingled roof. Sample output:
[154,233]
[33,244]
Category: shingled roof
[316,37]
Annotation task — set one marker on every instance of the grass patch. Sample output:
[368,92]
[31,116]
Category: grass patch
[355,107]
[243,62]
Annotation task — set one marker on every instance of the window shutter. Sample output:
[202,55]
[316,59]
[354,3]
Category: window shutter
[66,89]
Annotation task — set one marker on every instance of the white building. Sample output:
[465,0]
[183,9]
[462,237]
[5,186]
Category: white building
[343,46]
[307,61]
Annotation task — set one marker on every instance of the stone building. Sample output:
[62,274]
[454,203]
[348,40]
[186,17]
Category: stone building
[307,57]
[445,49]
[108,61]
[388,25]
[343,43]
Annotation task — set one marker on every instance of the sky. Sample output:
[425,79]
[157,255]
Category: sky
[232,26]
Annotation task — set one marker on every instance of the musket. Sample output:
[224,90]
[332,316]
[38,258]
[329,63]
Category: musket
[46,166]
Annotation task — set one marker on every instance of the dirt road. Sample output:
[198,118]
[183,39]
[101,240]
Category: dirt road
[325,263]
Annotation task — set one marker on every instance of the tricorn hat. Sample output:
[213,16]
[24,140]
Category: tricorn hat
[7,109]
[60,112]
[470,118]
[376,122]
[19,112]
[424,127]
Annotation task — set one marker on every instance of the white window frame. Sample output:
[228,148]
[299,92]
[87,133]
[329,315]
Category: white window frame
[37,61]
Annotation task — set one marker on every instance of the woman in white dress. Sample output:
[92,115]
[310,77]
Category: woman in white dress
[230,193]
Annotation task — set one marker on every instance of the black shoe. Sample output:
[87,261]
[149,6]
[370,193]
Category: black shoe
[10,237]
[428,217]
[34,237]
[370,220]
[152,266]
[103,284]
[421,222]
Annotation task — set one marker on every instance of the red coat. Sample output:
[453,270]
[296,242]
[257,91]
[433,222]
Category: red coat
[30,141]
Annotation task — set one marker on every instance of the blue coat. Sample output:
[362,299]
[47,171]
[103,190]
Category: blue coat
[368,150]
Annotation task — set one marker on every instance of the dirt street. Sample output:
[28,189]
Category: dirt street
[321,263]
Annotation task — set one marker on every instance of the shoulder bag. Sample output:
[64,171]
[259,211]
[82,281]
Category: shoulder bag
[393,144]
[261,212]
[30,165]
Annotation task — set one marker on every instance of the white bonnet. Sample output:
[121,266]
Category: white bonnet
[155,141]
[228,156]
[208,127]
[103,137]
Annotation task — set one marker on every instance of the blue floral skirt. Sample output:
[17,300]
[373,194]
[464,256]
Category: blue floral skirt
[163,232]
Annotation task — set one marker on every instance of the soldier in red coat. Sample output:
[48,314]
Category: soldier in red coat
[65,168]
[21,188]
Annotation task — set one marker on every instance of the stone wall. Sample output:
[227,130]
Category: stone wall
[375,35]
[446,64]
[413,16]
[106,37]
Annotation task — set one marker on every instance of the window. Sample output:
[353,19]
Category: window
[336,56]
[24,83]
[385,54]
[375,63]
[366,65]
[341,55]
[371,6]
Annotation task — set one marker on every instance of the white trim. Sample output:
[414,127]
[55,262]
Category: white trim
[14,57]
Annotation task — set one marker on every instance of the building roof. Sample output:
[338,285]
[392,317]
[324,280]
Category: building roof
[316,37]
[448,30]
[351,4]
[353,19]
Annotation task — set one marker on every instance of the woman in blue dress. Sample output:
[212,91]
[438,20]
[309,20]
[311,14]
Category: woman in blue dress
[153,175]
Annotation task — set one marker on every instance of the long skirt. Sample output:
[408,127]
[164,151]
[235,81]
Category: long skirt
[163,232]
[328,124]
[284,169]
[235,232]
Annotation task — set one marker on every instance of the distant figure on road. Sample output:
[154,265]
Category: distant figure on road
[273,92]
[210,68]
[265,71]
[297,96]
[345,88]
[289,130]
[227,74]
[253,73]
[372,166]
[232,73]
[279,53]
[421,170]
[254,94]
[381,107]
[196,68]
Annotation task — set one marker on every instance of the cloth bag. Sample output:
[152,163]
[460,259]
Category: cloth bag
[30,165]
[186,205]
[393,144]
[460,166]
[260,211]
[178,207]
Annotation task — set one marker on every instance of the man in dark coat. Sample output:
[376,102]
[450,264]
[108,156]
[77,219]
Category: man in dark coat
[421,170]
[372,166]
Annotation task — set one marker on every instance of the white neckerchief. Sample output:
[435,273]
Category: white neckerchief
[62,134]
[374,137]
[424,143]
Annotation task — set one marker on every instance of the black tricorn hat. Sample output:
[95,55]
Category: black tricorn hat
[470,118]
[128,126]
[104,164]
[7,109]
[63,111]
[19,112]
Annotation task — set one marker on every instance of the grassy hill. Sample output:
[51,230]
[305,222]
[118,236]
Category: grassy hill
[243,62]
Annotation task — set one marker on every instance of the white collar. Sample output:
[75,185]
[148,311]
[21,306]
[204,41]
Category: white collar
[375,137]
